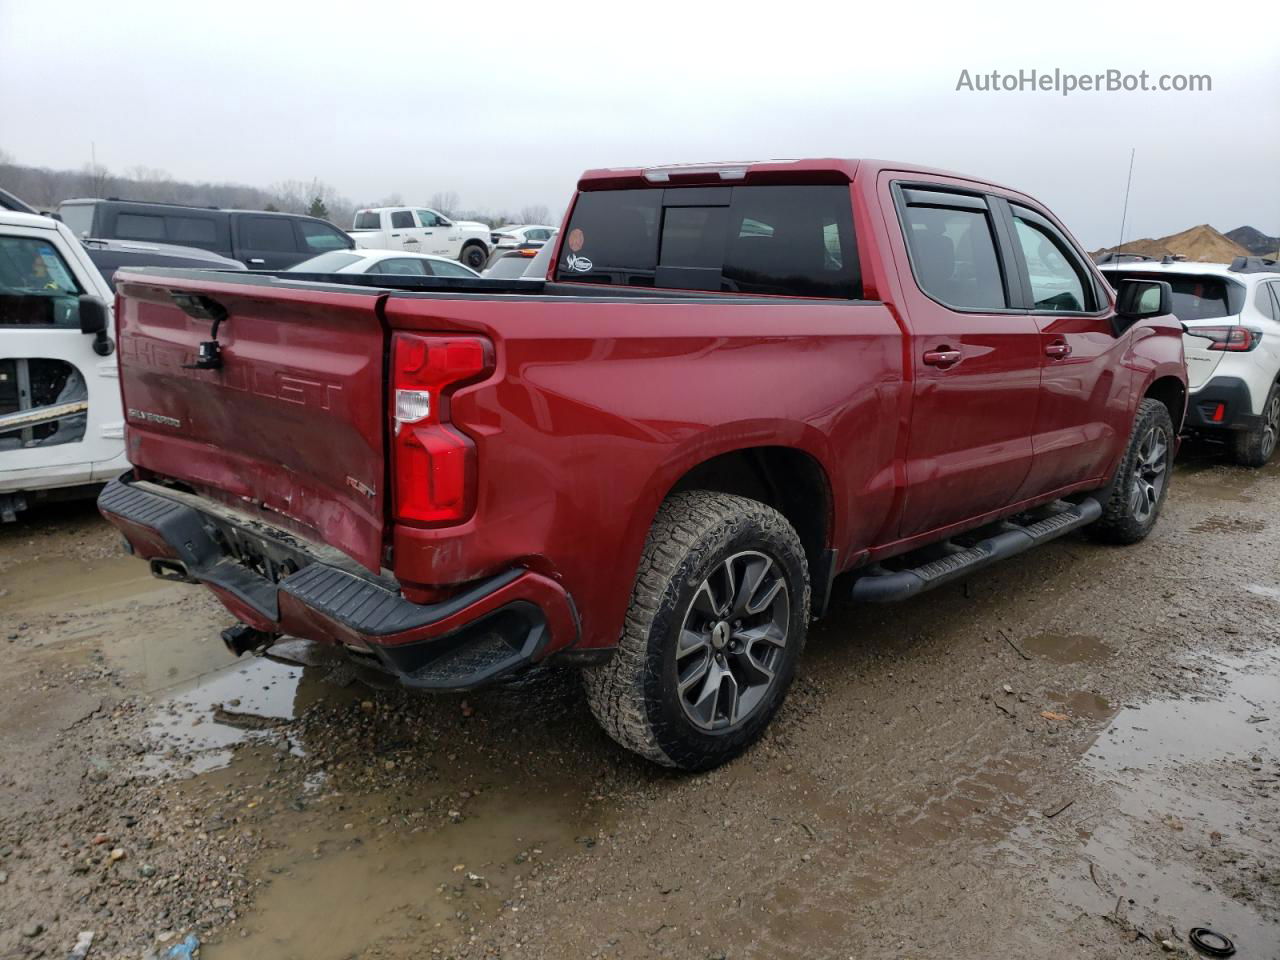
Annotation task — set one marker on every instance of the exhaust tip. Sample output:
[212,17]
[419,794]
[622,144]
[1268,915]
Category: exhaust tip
[243,638]
[165,568]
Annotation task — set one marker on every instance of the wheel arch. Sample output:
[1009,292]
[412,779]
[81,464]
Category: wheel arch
[1172,392]
[790,480]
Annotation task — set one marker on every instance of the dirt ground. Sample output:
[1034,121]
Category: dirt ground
[1074,755]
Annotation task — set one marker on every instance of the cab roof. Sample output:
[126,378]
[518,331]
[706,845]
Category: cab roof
[812,170]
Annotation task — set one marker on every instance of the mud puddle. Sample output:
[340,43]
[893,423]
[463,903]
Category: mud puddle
[68,584]
[1064,648]
[360,828]
[1186,836]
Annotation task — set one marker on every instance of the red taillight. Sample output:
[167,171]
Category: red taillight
[433,464]
[1219,412]
[1229,339]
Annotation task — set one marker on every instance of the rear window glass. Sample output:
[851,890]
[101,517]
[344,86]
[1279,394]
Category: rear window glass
[770,240]
[1194,297]
[367,220]
[139,226]
[508,267]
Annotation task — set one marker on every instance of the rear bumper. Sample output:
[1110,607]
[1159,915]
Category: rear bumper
[271,582]
[1223,403]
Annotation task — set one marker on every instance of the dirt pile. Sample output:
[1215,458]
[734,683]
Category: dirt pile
[1203,244]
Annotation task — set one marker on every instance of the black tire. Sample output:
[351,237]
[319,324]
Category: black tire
[1253,448]
[1138,492]
[636,695]
[474,256]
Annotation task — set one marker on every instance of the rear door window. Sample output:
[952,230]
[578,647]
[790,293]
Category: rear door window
[402,266]
[765,240]
[193,231]
[140,226]
[953,251]
[402,220]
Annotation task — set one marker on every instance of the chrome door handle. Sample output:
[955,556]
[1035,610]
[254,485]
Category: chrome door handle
[1058,351]
[256,260]
[942,358]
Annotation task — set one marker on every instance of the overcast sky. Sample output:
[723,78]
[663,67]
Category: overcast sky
[506,103]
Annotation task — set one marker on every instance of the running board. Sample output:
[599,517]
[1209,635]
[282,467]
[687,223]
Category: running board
[1013,538]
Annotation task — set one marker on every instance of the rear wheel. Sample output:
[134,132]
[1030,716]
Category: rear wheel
[474,256]
[1254,447]
[1142,479]
[717,620]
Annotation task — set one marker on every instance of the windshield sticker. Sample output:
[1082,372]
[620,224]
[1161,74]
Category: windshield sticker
[575,262]
[576,239]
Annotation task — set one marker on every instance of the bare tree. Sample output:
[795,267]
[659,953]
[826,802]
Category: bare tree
[536,213]
[6,158]
[446,202]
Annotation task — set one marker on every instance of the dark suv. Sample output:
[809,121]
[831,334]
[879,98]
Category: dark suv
[258,239]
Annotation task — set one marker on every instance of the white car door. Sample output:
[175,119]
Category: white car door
[436,237]
[404,233]
[45,360]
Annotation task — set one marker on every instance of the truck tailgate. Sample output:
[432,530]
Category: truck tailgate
[293,423]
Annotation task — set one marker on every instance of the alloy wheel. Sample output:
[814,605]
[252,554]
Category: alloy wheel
[731,641]
[1150,471]
[1270,425]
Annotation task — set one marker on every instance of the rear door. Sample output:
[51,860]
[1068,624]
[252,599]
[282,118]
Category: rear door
[976,358]
[404,232]
[293,422]
[1083,411]
[266,242]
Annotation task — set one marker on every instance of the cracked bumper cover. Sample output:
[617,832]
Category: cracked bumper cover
[490,628]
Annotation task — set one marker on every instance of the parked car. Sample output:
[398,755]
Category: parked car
[510,264]
[61,424]
[396,262]
[421,230]
[1232,312]
[654,463]
[519,236]
[110,255]
[261,240]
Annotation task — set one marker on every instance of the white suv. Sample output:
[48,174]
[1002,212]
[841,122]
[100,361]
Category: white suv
[1232,313]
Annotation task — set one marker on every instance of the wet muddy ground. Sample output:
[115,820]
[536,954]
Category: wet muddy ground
[1076,754]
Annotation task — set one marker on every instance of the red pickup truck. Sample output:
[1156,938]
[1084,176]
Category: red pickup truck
[736,382]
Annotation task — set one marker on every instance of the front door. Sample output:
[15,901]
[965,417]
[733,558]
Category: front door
[975,359]
[1083,413]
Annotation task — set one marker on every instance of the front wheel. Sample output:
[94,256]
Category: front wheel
[717,620]
[474,256]
[1142,479]
[1254,447]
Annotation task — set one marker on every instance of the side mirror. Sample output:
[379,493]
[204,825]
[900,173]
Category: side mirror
[1139,299]
[93,320]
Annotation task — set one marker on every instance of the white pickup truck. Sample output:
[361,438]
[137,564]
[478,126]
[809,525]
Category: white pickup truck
[421,230]
[61,424]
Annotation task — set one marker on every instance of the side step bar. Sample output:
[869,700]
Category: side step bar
[1013,538]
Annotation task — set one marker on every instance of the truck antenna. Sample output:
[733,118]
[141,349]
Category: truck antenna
[1124,213]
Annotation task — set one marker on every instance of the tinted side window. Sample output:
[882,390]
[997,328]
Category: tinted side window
[773,240]
[953,256]
[402,219]
[319,237]
[1058,281]
[193,231]
[139,226]
[792,240]
[267,233]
